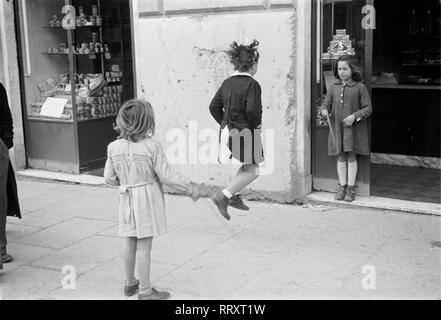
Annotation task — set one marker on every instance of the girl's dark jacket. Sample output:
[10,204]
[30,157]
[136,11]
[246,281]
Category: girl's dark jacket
[7,135]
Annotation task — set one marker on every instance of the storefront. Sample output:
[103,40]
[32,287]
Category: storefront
[173,54]
[76,71]
[400,55]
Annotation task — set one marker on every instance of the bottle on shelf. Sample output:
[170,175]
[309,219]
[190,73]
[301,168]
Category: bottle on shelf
[428,23]
[413,23]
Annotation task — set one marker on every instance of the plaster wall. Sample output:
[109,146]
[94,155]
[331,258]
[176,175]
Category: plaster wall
[180,63]
[9,76]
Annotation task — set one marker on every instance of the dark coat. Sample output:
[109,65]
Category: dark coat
[7,136]
[341,101]
[237,104]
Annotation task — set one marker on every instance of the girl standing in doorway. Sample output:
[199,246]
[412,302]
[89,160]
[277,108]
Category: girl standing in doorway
[348,105]
[237,105]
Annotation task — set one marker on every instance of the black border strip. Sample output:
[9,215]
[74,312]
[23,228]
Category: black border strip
[143,15]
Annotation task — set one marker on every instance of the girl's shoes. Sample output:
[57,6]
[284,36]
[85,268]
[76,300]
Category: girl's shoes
[154,295]
[131,290]
[350,194]
[6,258]
[219,203]
[341,193]
[236,202]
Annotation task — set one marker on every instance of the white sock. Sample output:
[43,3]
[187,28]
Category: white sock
[352,173]
[227,193]
[342,171]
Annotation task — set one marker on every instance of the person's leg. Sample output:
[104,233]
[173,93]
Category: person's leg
[130,260]
[342,176]
[246,174]
[352,175]
[146,292]
[352,168]
[143,258]
[4,163]
[342,169]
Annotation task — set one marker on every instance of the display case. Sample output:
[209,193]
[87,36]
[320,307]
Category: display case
[74,77]
[406,81]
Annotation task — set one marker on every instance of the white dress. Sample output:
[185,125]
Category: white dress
[140,169]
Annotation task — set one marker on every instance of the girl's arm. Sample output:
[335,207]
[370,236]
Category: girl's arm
[173,179]
[253,105]
[365,105]
[217,107]
[109,171]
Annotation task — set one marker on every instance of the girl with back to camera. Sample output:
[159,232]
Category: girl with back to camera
[237,105]
[137,164]
[348,105]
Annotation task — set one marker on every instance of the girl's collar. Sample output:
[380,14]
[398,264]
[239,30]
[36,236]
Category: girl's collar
[238,73]
[350,83]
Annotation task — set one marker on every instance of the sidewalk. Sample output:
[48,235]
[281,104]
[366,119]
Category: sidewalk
[271,252]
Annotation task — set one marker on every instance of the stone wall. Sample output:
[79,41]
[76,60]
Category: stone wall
[9,76]
[180,62]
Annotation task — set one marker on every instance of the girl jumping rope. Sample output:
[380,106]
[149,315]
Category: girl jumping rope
[137,164]
[347,105]
[237,105]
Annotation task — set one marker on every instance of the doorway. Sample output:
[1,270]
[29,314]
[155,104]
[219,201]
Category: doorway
[337,26]
[406,86]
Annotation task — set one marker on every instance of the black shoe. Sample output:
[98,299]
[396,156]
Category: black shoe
[236,202]
[341,193]
[220,201]
[131,290]
[350,194]
[6,258]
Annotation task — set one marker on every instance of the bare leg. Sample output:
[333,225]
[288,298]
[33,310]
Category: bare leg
[130,260]
[246,174]
[143,259]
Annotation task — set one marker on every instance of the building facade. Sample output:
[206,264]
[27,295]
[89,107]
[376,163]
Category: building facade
[172,52]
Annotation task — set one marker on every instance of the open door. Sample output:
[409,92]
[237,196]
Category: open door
[340,27]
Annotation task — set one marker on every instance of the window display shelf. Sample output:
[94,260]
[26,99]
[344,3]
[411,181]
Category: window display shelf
[98,119]
[47,119]
[434,64]
[75,54]
[76,28]
[406,86]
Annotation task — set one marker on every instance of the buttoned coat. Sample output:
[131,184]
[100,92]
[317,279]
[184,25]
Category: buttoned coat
[341,101]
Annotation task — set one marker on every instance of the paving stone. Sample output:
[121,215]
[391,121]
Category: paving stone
[16,229]
[105,282]
[65,233]
[84,255]
[28,283]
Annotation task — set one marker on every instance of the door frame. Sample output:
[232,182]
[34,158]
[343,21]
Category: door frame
[329,183]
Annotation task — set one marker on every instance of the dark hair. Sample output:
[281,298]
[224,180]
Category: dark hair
[352,62]
[135,120]
[243,57]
